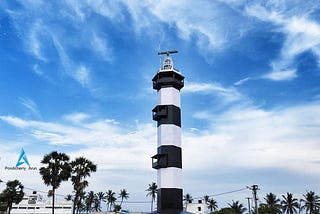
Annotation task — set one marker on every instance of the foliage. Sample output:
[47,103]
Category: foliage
[81,169]
[273,203]
[13,193]
[152,191]
[57,169]
[289,204]
[238,207]
[225,210]
[123,195]
[311,202]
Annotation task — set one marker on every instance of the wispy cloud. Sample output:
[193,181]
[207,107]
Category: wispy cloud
[281,75]
[31,106]
[301,34]
[101,47]
[227,94]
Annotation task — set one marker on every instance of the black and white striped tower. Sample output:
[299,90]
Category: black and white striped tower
[168,161]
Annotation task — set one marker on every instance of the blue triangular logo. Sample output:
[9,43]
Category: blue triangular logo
[22,159]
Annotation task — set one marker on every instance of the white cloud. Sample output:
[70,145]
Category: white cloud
[301,34]
[34,40]
[242,81]
[76,117]
[31,106]
[227,94]
[100,46]
[244,137]
[281,75]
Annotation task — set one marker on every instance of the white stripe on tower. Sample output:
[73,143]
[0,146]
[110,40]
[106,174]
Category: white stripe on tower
[168,160]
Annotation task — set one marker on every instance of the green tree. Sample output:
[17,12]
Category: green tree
[265,209]
[96,203]
[101,197]
[152,192]
[273,203]
[56,170]
[311,202]
[89,200]
[111,199]
[206,199]
[212,205]
[225,210]
[187,198]
[237,207]
[81,169]
[123,195]
[13,193]
[289,204]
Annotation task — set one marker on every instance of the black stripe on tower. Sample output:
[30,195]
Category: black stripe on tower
[167,114]
[169,200]
[168,156]
[169,78]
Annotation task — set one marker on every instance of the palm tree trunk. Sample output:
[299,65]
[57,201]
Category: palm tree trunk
[53,197]
[74,203]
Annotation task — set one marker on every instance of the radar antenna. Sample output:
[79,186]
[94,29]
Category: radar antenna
[167,52]
[167,63]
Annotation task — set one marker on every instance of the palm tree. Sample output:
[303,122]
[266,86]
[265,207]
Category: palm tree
[96,203]
[68,197]
[81,168]
[57,169]
[206,199]
[152,191]
[111,199]
[12,194]
[237,207]
[311,202]
[89,201]
[188,199]
[101,197]
[123,195]
[289,204]
[212,205]
[273,203]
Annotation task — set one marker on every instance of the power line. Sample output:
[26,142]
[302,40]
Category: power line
[224,193]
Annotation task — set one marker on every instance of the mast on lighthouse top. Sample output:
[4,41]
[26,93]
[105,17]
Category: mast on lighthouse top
[168,62]
[168,76]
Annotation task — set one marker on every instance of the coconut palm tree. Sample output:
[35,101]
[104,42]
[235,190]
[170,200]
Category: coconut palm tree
[212,205]
[152,191]
[123,195]
[81,169]
[96,203]
[237,207]
[289,204]
[311,202]
[111,199]
[206,199]
[56,170]
[273,202]
[101,197]
[188,199]
[12,194]
[68,197]
[89,200]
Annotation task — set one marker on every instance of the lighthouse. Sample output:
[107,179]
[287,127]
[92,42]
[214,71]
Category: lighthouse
[168,161]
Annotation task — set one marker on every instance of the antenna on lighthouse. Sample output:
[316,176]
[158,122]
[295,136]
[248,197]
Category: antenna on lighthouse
[167,52]
[167,63]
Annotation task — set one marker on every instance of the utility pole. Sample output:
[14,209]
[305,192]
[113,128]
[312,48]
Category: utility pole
[249,208]
[254,189]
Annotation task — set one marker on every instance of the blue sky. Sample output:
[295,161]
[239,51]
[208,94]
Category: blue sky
[75,76]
